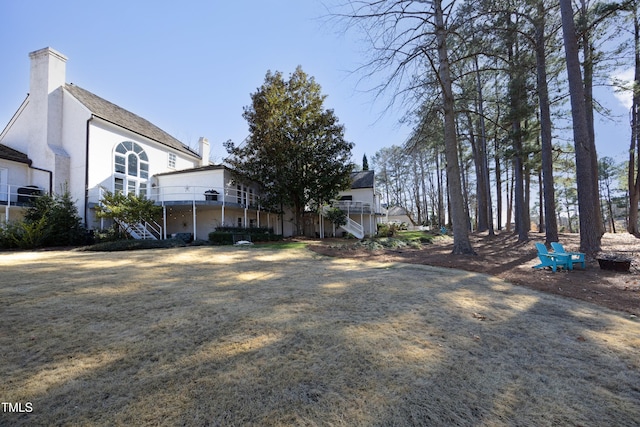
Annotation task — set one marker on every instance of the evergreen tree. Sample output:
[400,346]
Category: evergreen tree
[58,219]
[365,163]
[130,209]
[296,149]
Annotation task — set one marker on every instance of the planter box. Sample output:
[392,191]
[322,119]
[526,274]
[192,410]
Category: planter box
[615,264]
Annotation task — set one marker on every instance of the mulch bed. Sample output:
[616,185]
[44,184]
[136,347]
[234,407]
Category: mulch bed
[502,256]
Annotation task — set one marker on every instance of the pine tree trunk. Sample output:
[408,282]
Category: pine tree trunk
[634,150]
[550,223]
[588,204]
[498,175]
[461,243]
[478,160]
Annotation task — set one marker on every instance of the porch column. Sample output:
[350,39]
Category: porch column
[371,224]
[6,212]
[194,219]
[164,221]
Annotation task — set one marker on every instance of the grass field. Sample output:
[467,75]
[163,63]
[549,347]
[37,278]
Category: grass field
[260,336]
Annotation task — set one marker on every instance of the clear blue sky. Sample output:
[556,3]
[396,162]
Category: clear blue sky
[190,66]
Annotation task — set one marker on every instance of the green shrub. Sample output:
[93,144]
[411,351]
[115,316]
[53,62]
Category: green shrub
[337,216]
[224,235]
[31,235]
[112,234]
[387,230]
[8,232]
[244,230]
[221,238]
[52,221]
[132,245]
[199,242]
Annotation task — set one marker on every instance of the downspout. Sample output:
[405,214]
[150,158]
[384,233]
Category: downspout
[43,170]
[86,175]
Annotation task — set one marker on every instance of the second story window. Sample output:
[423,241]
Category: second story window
[131,168]
[172,161]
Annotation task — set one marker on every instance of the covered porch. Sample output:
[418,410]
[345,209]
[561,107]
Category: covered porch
[199,210]
[14,200]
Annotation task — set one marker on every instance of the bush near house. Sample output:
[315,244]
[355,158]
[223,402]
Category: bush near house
[51,220]
[132,245]
[225,235]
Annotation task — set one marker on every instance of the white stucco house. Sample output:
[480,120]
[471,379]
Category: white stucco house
[63,136]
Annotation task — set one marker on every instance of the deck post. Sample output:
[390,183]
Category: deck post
[6,212]
[194,218]
[164,221]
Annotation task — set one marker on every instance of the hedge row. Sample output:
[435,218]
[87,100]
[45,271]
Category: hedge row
[133,244]
[226,238]
[244,230]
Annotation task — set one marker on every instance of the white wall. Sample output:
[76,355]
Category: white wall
[363,195]
[17,173]
[104,137]
[74,143]
[191,185]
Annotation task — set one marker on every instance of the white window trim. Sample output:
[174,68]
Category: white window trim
[126,178]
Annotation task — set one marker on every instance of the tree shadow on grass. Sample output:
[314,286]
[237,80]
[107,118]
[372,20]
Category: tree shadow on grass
[309,340]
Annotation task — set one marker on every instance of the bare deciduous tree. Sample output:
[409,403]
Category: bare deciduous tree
[411,38]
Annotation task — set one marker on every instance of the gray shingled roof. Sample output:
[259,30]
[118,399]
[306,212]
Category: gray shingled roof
[8,153]
[119,116]
[362,179]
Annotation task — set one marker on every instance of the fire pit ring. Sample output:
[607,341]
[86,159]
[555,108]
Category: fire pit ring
[614,262]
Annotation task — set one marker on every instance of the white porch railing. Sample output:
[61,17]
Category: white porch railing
[13,195]
[353,207]
[190,193]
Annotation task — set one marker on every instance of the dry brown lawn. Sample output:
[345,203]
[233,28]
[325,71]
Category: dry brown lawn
[256,336]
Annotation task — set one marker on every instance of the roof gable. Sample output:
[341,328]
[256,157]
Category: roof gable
[112,113]
[9,153]
[397,211]
[362,179]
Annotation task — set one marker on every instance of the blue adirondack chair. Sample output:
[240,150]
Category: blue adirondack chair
[551,259]
[574,257]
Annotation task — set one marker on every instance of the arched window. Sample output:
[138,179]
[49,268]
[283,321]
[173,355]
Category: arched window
[131,169]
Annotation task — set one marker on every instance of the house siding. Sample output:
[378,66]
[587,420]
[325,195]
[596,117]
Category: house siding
[104,137]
